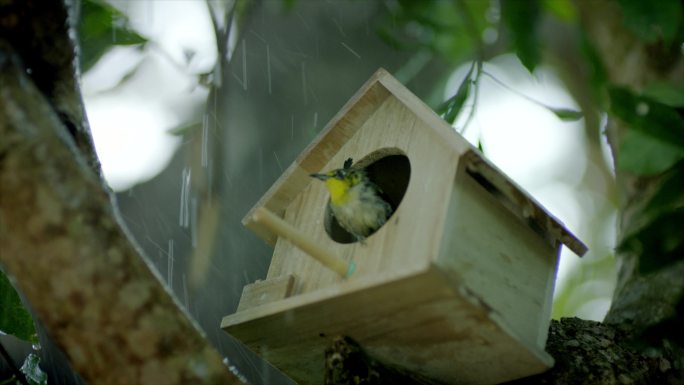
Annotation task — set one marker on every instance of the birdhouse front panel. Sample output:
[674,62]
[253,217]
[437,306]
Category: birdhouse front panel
[456,284]
[410,239]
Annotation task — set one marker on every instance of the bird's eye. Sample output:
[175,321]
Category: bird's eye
[339,174]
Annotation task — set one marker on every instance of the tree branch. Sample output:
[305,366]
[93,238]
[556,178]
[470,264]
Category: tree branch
[61,241]
[38,31]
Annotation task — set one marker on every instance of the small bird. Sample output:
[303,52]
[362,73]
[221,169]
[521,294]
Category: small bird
[355,201]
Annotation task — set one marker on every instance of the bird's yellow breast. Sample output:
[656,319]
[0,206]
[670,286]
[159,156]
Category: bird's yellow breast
[338,191]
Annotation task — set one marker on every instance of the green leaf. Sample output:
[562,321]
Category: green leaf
[562,9]
[643,154]
[31,369]
[667,93]
[186,128]
[566,114]
[652,21]
[647,115]
[451,108]
[441,27]
[655,232]
[521,18]
[14,318]
[597,73]
[670,195]
[100,27]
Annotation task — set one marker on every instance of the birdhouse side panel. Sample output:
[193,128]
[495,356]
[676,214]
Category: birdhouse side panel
[499,259]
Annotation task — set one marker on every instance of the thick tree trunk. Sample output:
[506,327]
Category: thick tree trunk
[60,239]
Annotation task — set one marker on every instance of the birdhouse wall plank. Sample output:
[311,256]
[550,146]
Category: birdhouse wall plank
[496,255]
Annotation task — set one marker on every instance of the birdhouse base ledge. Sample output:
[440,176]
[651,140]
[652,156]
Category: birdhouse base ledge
[420,320]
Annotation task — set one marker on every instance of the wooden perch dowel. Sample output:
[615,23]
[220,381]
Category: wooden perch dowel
[297,238]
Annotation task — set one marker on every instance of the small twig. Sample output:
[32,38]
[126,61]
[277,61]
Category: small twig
[514,91]
[17,373]
[476,93]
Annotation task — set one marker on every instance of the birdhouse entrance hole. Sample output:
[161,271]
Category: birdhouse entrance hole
[390,170]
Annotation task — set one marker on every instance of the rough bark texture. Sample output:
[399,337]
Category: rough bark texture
[39,33]
[347,363]
[60,239]
[586,352]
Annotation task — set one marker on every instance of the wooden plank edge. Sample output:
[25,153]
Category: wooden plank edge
[471,297]
[306,163]
[343,287]
[530,208]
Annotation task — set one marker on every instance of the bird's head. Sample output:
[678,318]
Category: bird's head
[339,181]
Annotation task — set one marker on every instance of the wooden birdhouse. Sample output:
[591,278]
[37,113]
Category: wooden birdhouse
[456,285]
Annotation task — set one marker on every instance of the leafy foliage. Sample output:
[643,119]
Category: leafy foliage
[645,154]
[653,21]
[452,107]
[657,236]
[653,146]
[14,318]
[450,29]
[655,140]
[666,93]
[521,18]
[566,114]
[101,27]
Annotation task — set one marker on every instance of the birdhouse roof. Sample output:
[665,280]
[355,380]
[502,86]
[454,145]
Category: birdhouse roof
[352,116]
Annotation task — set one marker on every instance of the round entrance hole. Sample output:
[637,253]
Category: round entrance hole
[390,170]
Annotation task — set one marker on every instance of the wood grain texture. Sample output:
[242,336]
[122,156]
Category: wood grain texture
[263,292]
[416,319]
[498,257]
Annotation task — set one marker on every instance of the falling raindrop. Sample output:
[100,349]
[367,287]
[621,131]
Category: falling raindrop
[205,140]
[268,67]
[306,101]
[184,217]
[185,293]
[490,35]
[350,50]
[169,265]
[278,161]
[642,109]
[244,64]
[193,221]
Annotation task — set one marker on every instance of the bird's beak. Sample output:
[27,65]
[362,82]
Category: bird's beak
[319,176]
